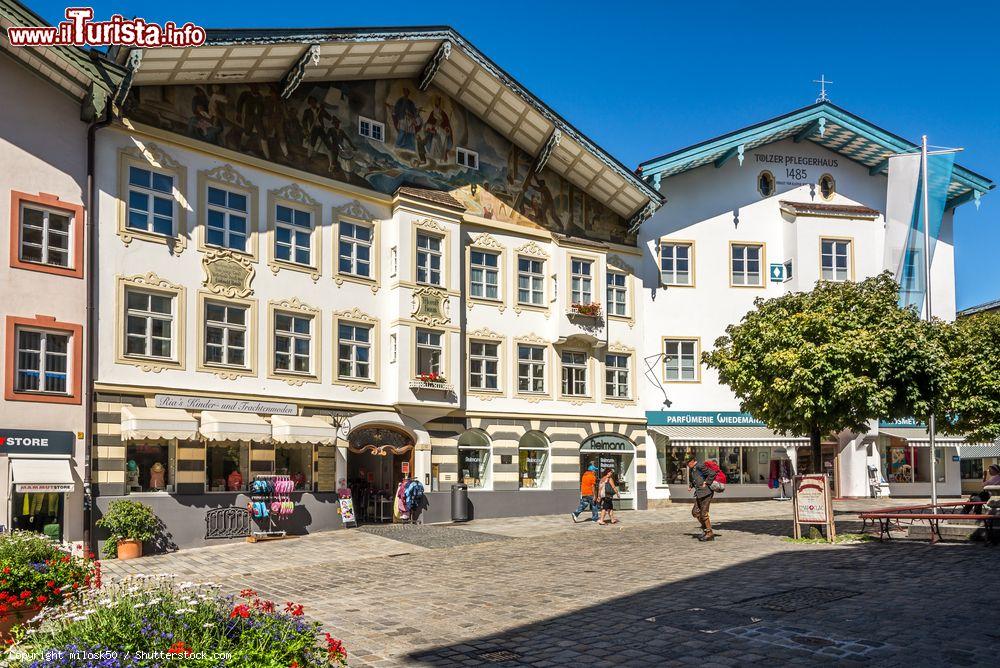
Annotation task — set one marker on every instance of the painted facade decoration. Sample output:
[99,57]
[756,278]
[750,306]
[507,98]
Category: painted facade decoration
[316,130]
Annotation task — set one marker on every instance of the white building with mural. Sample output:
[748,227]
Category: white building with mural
[759,212]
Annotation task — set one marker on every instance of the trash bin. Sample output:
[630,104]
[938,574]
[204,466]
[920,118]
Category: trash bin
[460,503]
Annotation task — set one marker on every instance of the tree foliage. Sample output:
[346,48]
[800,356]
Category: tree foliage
[971,398]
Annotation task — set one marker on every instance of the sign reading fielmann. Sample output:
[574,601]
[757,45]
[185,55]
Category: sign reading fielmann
[230,405]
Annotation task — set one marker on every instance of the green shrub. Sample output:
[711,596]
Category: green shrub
[128,520]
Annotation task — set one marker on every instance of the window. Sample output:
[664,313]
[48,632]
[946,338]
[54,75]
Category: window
[42,362]
[371,129]
[617,293]
[292,235]
[788,270]
[227,466]
[150,201]
[467,158]
[675,264]
[680,361]
[150,466]
[742,465]
[474,459]
[484,362]
[428,259]
[616,376]
[904,463]
[530,281]
[530,368]
[226,218]
[827,186]
[292,343]
[354,348]
[484,274]
[835,259]
[355,249]
[533,460]
[574,374]
[429,352]
[45,236]
[149,324]
[581,281]
[225,334]
[746,261]
[765,183]
[295,461]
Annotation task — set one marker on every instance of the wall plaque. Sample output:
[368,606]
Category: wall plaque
[228,274]
[430,306]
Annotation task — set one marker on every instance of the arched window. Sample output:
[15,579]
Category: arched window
[474,459]
[827,186]
[533,460]
[765,183]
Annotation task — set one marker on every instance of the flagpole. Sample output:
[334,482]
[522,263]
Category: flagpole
[927,289]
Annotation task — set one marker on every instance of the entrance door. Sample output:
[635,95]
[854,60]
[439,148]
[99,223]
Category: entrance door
[378,459]
[615,453]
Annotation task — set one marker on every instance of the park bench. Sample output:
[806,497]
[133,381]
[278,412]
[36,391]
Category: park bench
[934,515]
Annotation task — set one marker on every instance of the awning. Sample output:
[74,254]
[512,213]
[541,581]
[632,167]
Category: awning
[220,426]
[919,438]
[979,450]
[297,429]
[728,437]
[42,475]
[140,423]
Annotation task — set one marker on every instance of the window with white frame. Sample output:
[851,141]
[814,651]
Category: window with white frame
[371,129]
[616,376]
[484,274]
[745,267]
[574,373]
[150,201]
[226,219]
[42,361]
[429,257]
[292,235]
[675,264]
[530,281]
[680,359]
[226,334]
[835,259]
[45,236]
[355,249]
[354,351]
[467,158]
[530,368]
[581,281]
[429,352]
[484,364]
[293,342]
[149,324]
[617,293]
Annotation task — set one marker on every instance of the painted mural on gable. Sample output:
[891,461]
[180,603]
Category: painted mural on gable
[316,130]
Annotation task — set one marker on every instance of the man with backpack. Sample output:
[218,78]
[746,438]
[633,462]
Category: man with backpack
[704,479]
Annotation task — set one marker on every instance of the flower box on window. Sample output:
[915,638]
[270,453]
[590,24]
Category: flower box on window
[591,310]
[430,381]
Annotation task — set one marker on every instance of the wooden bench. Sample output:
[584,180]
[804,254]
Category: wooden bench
[934,515]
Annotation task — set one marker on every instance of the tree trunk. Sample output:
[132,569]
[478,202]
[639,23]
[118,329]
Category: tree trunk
[817,451]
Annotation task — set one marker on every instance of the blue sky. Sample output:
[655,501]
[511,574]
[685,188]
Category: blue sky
[644,78]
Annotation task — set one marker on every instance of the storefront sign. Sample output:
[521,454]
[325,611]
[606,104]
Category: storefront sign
[32,442]
[812,503]
[701,419]
[229,405]
[38,488]
[905,423]
[607,444]
[347,511]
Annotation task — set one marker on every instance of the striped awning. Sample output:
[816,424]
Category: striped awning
[220,426]
[728,437]
[979,450]
[145,423]
[302,430]
[919,438]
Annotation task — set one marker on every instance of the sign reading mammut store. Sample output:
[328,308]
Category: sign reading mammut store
[32,442]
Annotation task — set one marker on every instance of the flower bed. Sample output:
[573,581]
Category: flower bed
[146,621]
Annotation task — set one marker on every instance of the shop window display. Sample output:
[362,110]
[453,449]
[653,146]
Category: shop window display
[474,459]
[38,512]
[227,466]
[296,463]
[150,467]
[742,466]
[533,460]
[908,464]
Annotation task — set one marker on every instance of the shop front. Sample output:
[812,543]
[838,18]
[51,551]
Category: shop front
[39,480]
[905,459]
[610,451]
[976,460]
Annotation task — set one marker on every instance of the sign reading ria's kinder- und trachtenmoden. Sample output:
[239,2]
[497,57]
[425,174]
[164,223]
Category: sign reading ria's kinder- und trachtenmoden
[701,419]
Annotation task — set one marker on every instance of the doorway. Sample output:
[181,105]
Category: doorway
[378,460]
[615,453]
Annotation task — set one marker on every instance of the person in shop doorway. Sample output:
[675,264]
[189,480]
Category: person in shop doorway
[700,479]
[607,491]
[588,494]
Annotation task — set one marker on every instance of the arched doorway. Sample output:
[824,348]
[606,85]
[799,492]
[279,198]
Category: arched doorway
[378,459]
[610,451]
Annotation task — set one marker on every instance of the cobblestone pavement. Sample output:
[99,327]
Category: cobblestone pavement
[643,593]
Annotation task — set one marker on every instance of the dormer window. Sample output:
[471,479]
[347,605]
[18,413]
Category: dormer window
[765,183]
[467,158]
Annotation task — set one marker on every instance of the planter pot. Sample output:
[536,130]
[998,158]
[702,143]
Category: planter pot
[16,618]
[129,549]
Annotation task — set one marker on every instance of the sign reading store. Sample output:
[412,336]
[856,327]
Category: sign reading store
[36,442]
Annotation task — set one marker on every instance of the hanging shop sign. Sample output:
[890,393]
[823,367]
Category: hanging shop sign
[812,503]
[607,443]
[777,272]
[34,442]
[701,419]
[228,405]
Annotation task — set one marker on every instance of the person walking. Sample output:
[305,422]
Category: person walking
[700,479]
[607,491]
[588,494]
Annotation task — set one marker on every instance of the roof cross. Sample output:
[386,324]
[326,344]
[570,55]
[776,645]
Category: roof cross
[822,81]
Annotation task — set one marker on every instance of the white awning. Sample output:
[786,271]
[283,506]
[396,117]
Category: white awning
[221,426]
[728,437]
[299,429]
[140,423]
[42,475]
[919,438]
[979,450]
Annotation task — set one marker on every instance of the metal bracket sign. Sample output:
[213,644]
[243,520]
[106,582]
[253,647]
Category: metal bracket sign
[812,503]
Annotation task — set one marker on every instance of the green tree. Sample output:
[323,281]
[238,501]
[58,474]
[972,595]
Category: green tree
[971,401]
[816,363]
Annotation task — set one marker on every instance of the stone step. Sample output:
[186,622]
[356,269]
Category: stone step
[949,531]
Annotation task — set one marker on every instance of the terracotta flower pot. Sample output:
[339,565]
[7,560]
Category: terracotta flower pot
[129,549]
[9,620]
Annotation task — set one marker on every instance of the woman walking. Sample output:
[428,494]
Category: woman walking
[607,491]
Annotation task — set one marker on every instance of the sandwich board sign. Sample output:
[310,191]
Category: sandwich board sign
[812,503]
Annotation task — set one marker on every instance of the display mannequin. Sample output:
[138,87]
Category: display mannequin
[156,477]
[235,481]
[132,476]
